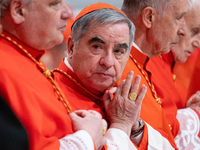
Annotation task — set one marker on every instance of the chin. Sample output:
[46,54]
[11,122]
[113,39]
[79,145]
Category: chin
[181,60]
[166,51]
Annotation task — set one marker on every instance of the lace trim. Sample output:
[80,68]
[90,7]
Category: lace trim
[189,129]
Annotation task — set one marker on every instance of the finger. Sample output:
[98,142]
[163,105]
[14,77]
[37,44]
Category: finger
[95,113]
[113,90]
[136,84]
[73,116]
[141,95]
[104,123]
[81,113]
[134,89]
[127,85]
[120,87]
[104,126]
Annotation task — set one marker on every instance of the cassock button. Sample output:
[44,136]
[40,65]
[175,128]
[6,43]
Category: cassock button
[170,126]
[174,77]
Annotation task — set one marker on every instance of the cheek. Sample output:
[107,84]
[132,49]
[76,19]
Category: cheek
[119,68]
[171,29]
[87,65]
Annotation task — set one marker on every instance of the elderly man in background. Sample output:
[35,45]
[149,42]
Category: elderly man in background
[161,68]
[98,50]
[26,85]
[158,25]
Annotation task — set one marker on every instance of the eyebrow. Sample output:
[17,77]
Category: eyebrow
[96,39]
[198,28]
[123,45]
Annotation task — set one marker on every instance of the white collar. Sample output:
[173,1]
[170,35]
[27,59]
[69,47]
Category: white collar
[135,45]
[67,64]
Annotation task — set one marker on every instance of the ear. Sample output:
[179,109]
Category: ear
[70,46]
[17,11]
[148,16]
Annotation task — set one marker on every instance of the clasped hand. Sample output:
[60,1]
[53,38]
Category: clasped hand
[122,111]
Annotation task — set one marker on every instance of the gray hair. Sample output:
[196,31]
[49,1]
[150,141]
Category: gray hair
[133,8]
[5,4]
[100,17]
[193,3]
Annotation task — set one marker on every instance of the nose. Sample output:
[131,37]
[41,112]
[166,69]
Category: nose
[107,60]
[182,28]
[181,32]
[67,12]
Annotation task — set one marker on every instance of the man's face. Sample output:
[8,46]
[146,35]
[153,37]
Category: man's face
[191,39]
[99,58]
[44,23]
[168,26]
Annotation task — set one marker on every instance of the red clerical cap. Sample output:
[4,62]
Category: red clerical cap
[96,6]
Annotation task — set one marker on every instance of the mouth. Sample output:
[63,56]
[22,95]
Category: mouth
[174,43]
[105,75]
[188,53]
[63,28]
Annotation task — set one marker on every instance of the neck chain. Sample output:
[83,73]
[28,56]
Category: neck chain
[96,99]
[46,72]
[158,100]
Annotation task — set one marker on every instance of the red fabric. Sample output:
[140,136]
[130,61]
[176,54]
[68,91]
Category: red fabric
[79,99]
[151,111]
[67,32]
[194,85]
[187,76]
[31,97]
[160,68]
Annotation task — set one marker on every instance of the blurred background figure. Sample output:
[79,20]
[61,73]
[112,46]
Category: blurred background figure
[53,56]
[183,111]
[187,77]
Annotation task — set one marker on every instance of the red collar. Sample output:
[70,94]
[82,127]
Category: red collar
[13,41]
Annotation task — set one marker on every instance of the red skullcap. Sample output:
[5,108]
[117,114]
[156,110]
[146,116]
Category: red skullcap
[96,6]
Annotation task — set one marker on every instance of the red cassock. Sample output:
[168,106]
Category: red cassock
[162,78]
[80,98]
[151,111]
[188,76]
[195,78]
[31,96]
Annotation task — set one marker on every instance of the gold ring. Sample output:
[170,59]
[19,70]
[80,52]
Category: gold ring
[132,96]
[104,130]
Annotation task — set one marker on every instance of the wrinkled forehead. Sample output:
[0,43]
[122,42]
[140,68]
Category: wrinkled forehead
[192,17]
[176,9]
[178,5]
